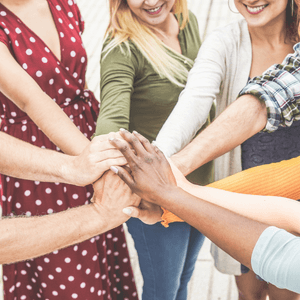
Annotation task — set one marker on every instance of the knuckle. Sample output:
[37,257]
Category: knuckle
[133,139]
[148,159]
[124,148]
[145,141]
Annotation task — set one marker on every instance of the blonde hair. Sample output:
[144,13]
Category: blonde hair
[125,26]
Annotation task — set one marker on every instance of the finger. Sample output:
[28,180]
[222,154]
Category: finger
[145,142]
[124,147]
[107,154]
[141,214]
[133,141]
[107,164]
[124,175]
[158,151]
[104,137]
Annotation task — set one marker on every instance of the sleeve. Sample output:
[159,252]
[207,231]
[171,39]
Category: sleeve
[279,88]
[118,71]
[3,36]
[195,101]
[277,179]
[76,11]
[276,258]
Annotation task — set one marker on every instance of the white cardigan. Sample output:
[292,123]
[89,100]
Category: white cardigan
[220,72]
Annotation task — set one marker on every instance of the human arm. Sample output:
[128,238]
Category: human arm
[204,216]
[242,119]
[117,76]
[244,239]
[23,160]
[21,89]
[27,237]
[282,177]
[266,102]
[276,179]
[195,101]
[276,258]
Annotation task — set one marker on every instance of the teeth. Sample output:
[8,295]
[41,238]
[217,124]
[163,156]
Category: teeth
[154,9]
[256,9]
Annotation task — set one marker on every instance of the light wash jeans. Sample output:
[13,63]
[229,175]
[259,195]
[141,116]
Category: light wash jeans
[167,257]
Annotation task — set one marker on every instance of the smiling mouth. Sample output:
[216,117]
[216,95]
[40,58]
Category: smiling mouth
[255,10]
[154,11]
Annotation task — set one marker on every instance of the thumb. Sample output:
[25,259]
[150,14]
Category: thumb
[133,211]
[146,216]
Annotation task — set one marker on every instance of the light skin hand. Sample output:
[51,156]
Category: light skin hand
[147,212]
[95,159]
[111,196]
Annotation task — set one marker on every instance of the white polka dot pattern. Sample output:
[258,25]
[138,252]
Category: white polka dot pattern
[74,272]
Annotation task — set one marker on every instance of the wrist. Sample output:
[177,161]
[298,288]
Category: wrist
[164,196]
[67,171]
[180,164]
[108,218]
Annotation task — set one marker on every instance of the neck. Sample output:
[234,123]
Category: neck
[272,34]
[169,27]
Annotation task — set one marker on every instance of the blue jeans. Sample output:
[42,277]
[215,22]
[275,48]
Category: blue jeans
[167,257]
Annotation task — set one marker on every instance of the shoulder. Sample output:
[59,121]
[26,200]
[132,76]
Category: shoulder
[235,31]
[233,36]
[7,27]
[191,31]
[69,8]
[123,55]
[192,19]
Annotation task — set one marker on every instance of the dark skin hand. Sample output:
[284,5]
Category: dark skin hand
[152,179]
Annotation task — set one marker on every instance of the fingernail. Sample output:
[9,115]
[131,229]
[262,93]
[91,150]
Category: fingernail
[111,138]
[114,169]
[135,132]
[122,129]
[127,211]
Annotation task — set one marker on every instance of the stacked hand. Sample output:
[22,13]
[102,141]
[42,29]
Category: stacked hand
[151,175]
[95,159]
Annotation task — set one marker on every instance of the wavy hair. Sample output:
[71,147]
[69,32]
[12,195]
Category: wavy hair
[125,27]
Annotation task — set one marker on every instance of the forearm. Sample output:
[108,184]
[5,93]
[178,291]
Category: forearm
[271,210]
[33,163]
[187,117]
[27,237]
[241,120]
[233,233]
[44,112]
[70,140]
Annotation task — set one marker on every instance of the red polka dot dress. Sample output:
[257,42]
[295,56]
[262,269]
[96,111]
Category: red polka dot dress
[95,269]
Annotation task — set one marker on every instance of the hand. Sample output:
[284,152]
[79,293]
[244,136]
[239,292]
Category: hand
[111,196]
[147,212]
[95,159]
[151,173]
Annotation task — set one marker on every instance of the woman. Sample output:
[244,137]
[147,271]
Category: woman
[226,61]
[149,50]
[43,62]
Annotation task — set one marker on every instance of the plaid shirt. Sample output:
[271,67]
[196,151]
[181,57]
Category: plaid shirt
[279,88]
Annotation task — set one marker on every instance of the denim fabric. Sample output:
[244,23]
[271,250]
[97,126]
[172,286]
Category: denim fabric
[167,257]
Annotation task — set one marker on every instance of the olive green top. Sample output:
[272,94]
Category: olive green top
[135,97]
